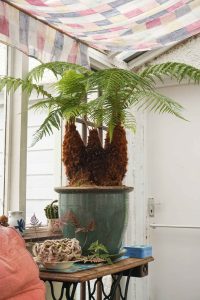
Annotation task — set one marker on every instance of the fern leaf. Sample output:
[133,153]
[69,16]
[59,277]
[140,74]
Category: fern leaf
[174,70]
[153,101]
[10,83]
[57,68]
[52,120]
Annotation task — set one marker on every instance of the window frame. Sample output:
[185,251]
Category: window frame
[4,104]
[15,137]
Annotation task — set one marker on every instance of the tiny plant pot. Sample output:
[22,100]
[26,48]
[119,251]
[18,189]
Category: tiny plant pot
[54,225]
[51,212]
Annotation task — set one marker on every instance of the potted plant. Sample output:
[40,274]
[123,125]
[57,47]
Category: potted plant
[94,204]
[51,213]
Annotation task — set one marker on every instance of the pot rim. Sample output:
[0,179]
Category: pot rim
[93,189]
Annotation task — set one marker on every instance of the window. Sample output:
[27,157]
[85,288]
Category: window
[3,71]
[43,160]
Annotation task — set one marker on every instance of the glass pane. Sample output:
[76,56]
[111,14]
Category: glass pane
[40,161]
[3,68]
[48,76]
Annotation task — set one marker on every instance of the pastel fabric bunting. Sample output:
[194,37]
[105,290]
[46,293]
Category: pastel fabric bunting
[37,39]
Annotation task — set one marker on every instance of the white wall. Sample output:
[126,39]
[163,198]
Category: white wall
[178,193]
[185,52]
[173,173]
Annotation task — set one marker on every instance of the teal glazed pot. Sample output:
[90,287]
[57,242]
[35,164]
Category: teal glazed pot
[94,213]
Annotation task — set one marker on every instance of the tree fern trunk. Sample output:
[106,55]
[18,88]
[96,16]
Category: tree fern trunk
[74,157]
[116,157]
[96,160]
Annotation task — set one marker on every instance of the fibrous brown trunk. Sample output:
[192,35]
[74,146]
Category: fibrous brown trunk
[93,165]
[116,157]
[96,160]
[74,157]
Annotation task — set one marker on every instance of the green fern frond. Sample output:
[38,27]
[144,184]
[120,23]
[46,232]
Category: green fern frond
[10,83]
[110,81]
[43,104]
[174,70]
[156,102]
[129,121]
[53,120]
[74,112]
[57,68]
[72,83]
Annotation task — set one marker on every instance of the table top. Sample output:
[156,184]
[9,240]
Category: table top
[82,276]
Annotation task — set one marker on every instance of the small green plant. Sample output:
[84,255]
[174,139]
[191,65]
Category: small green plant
[51,210]
[98,250]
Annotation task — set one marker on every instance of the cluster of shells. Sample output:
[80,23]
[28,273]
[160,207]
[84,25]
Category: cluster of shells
[58,250]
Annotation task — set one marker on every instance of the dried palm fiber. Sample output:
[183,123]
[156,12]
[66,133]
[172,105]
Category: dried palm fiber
[116,156]
[96,160]
[74,156]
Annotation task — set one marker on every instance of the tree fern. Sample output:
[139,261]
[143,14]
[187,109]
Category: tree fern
[117,92]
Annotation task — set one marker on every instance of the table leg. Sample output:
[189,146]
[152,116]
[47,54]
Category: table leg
[115,287]
[70,292]
[99,290]
[83,291]
[67,287]
[117,295]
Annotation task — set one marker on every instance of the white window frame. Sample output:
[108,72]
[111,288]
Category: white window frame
[4,131]
[16,137]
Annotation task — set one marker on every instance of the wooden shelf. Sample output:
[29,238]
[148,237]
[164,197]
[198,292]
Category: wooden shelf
[41,234]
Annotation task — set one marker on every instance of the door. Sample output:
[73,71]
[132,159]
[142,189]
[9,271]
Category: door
[173,180]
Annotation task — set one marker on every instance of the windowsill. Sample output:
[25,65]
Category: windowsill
[40,234]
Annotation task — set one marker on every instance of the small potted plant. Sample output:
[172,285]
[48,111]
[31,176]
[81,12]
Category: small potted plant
[51,212]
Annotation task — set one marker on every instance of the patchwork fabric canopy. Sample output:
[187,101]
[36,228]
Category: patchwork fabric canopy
[36,39]
[118,25]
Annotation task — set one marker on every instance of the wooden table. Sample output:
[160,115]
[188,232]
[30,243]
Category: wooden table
[129,267]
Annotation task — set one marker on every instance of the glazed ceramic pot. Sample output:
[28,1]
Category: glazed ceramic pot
[16,219]
[92,214]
